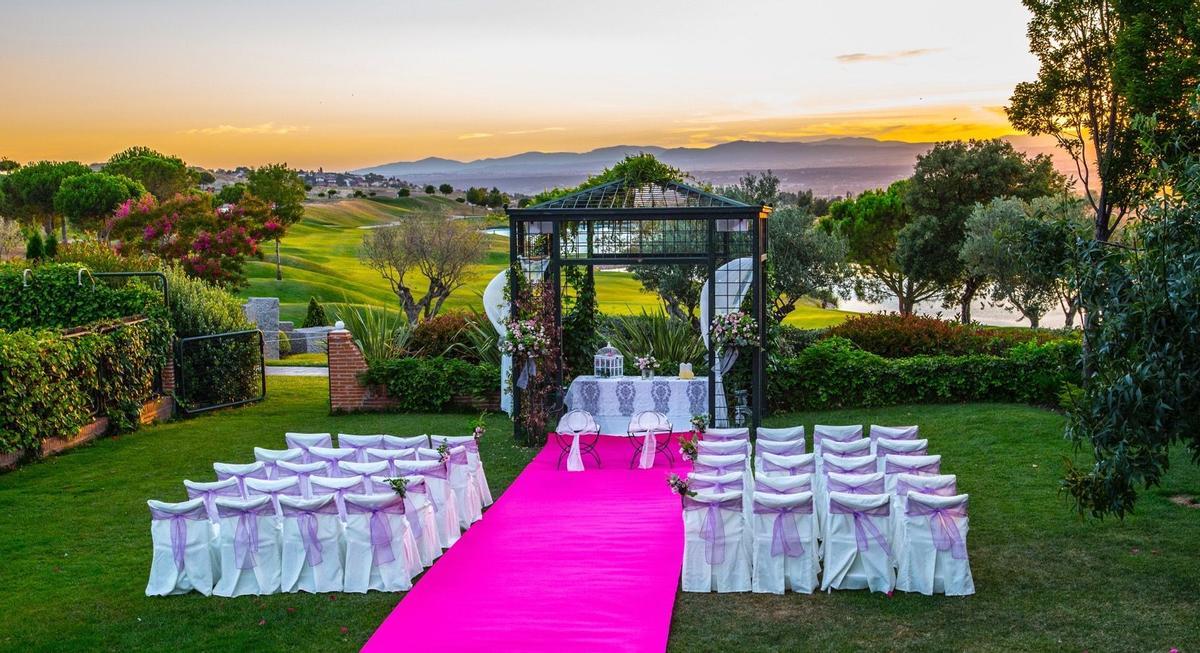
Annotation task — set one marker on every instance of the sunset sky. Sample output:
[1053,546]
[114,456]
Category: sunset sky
[344,84]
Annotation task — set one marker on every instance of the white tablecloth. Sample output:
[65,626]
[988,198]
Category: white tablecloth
[613,400]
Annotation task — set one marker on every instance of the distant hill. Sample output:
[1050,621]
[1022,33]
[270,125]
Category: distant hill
[832,166]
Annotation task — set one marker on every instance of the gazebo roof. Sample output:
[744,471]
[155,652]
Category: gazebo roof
[620,194]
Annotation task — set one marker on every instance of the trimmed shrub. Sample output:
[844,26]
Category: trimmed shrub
[896,336]
[315,316]
[834,373]
[427,384]
[54,298]
[439,334]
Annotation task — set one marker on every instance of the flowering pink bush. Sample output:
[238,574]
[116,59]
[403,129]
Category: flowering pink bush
[734,329]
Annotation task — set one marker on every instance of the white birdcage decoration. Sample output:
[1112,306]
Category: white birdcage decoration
[609,362]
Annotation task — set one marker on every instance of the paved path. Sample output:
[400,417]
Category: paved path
[290,370]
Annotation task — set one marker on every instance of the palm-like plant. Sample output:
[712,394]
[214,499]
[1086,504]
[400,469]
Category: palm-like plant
[669,340]
[381,334]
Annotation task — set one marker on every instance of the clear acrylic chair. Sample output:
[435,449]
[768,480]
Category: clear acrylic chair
[577,434]
[645,429]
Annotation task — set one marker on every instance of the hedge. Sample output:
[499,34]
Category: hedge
[50,382]
[835,373]
[427,384]
[53,298]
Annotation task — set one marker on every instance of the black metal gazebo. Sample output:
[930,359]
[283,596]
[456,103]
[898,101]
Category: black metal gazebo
[620,223]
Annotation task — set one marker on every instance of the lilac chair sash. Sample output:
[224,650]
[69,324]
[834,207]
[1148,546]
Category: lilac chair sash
[416,487]
[459,458]
[307,521]
[794,448]
[293,491]
[210,499]
[865,468]
[944,490]
[241,478]
[471,445]
[874,486]
[713,529]
[178,530]
[339,495]
[863,526]
[802,468]
[946,535]
[893,467]
[785,532]
[307,456]
[381,528]
[245,535]
[719,470]
[759,486]
[882,450]
[718,487]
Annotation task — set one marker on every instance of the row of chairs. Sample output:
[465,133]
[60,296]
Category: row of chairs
[281,501]
[793,508]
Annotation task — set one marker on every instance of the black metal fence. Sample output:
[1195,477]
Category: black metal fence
[219,371]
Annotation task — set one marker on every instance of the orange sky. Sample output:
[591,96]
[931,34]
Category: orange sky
[350,84]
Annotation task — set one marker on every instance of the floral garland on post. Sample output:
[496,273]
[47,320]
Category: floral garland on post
[526,339]
[536,304]
[733,330]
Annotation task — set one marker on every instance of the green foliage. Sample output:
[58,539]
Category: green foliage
[446,189]
[754,188]
[480,342]
[438,335]
[88,200]
[199,308]
[580,321]
[280,187]
[30,189]
[804,260]
[55,299]
[101,257]
[380,334]
[834,373]
[671,341]
[163,176]
[403,192]
[35,249]
[900,336]
[285,343]
[50,248]
[635,169]
[427,384]
[316,315]
[430,189]
[230,193]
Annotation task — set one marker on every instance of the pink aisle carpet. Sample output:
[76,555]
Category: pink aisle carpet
[584,561]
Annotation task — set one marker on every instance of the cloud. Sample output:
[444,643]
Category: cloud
[518,132]
[863,57]
[266,128]
[467,137]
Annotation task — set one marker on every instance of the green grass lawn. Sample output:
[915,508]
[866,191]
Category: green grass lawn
[75,546]
[314,359]
[320,259]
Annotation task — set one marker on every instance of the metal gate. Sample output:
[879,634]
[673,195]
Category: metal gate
[219,371]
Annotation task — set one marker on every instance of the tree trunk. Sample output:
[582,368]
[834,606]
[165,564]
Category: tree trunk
[970,287]
[278,269]
[64,230]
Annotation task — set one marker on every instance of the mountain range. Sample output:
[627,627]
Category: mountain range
[829,167]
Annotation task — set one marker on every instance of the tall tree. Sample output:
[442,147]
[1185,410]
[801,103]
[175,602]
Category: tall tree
[947,183]
[870,224]
[30,190]
[754,188]
[283,190]
[805,260]
[89,200]
[162,175]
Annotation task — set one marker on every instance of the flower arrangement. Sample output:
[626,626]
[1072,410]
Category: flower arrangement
[680,486]
[480,428]
[443,453]
[687,449]
[525,339]
[647,363]
[699,423]
[399,486]
[735,329]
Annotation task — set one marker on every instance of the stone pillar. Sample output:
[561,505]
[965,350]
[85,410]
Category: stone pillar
[264,313]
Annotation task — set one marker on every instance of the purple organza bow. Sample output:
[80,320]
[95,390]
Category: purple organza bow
[720,470]
[865,468]
[178,531]
[864,526]
[718,487]
[881,451]
[305,457]
[306,520]
[713,529]
[785,532]
[210,499]
[892,467]
[759,486]
[803,468]
[874,486]
[946,535]
[459,458]
[245,539]
[381,529]
[339,497]
[946,489]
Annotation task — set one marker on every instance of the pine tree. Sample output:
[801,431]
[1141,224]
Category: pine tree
[34,250]
[316,314]
[50,249]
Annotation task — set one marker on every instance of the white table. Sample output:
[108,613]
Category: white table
[613,400]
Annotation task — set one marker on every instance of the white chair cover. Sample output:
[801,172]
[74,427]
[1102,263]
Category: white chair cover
[858,543]
[894,432]
[339,487]
[359,443]
[717,483]
[240,472]
[422,518]
[380,551]
[785,543]
[735,433]
[943,485]
[715,555]
[836,433]
[648,425]
[437,480]
[785,434]
[209,491]
[769,464]
[860,447]
[274,489]
[576,423]
[477,473]
[848,483]
[919,465]
[183,556]
[934,558]
[312,545]
[723,447]
[466,492]
[271,457]
[779,447]
[331,457]
[405,442]
[885,446]
[377,468]
[391,456]
[783,484]
[303,471]
[249,548]
[305,441]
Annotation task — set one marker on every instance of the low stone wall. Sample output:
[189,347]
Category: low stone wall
[347,394]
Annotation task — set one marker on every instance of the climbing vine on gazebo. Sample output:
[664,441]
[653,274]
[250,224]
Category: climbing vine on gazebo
[535,308]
